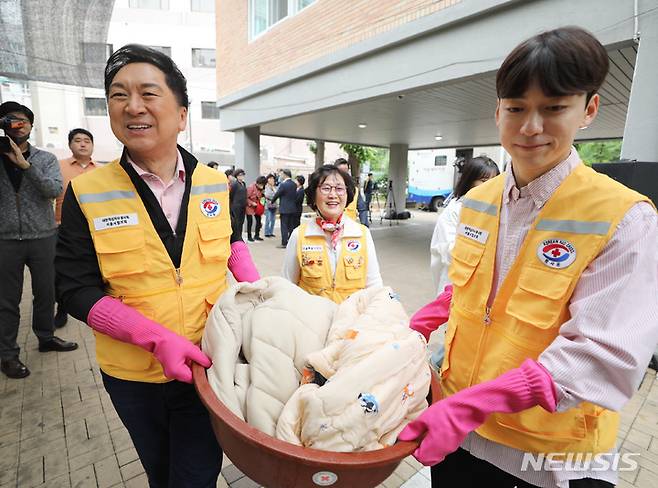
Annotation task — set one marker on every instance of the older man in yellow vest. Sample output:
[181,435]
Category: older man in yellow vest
[144,247]
[554,311]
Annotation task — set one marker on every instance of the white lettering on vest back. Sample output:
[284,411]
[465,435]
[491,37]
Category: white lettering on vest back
[473,233]
[111,221]
[309,248]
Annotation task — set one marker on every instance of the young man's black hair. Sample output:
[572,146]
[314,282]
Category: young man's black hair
[137,53]
[564,61]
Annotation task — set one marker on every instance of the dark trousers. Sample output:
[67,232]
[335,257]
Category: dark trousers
[171,431]
[39,256]
[250,220]
[296,221]
[237,223]
[287,226]
[466,471]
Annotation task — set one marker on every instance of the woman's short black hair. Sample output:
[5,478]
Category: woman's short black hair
[137,53]
[475,169]
[300,179]
[238,172]
[317,178]
[564,61]
[261,180]
[79,130]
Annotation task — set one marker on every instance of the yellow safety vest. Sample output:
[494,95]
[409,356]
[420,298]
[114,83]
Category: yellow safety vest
[531,304]
[136,267]
[350,210]
[351,265]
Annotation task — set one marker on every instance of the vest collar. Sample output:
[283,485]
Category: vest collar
[350,229]
[541,189]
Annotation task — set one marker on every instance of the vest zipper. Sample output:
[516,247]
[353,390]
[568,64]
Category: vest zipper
[179,278]
[483,340]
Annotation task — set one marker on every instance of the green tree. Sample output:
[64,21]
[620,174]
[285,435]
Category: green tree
[599,151]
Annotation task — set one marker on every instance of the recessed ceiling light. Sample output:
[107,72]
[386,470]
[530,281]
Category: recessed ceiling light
[438,138]
[362,126]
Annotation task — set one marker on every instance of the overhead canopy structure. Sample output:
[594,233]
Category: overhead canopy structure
[55,41]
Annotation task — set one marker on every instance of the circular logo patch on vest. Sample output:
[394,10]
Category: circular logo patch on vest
[210,207]
[325,478]
[556,253]
[353,246]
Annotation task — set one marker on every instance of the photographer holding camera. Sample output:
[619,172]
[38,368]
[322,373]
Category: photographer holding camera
[28,184]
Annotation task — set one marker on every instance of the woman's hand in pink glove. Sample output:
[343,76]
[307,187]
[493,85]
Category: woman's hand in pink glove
[446,423]
[432,315]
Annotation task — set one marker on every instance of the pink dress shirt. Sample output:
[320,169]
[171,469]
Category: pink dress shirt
[169,195]
[602,351]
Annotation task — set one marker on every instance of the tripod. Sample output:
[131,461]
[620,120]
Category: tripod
[390,210]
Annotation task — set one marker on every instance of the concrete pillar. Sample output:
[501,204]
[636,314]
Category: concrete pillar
[247,152]
[640,140]
[319,153]
[397,172]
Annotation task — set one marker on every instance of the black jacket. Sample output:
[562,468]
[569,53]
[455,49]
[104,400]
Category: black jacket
[287,192]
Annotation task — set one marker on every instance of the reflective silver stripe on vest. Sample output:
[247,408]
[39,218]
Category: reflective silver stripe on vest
[201,189]
[479,206]
[574,226]
[106,196]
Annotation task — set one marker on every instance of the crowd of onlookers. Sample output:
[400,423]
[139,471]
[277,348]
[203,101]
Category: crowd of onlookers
[278,193]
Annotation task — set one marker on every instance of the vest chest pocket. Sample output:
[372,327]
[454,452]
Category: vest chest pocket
[312,266]
[465,258]
[214,240]
[121,252]
[539,296]
[354,267]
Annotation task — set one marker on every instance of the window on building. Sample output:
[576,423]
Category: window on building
[150,4]
[263,14]
[96,52]
[203,58]
[203,6]
[95,106]
[440,160]
[163,49]
[209,110]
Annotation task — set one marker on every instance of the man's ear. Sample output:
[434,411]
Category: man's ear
[591,110]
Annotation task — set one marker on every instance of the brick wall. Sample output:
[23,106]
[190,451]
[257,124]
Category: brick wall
[322,28]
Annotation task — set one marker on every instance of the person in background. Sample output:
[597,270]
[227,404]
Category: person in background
[299,200]
[368,189]
[81,144]
[238,203]
[142,256]
[255,207]
[270,206]
[287,192]
[229,176]
[555,278]
[357,209]
[474,172]
[213,165]
[29,181]
[331,256]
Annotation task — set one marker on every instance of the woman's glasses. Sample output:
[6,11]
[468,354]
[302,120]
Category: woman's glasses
[326,190]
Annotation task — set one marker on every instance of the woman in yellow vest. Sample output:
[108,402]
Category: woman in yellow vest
[331,255]
[142,255]
[553,314]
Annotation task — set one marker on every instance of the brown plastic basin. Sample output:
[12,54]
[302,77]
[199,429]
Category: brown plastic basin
[277,464]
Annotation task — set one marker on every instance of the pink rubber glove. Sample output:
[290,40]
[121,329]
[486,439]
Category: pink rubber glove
[241,264]
[445,424]
[432,315]
[176,353]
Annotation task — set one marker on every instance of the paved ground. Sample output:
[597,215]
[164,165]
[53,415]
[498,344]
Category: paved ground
[58,427]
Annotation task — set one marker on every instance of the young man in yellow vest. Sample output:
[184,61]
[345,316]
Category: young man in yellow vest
[143,250]
[553,316]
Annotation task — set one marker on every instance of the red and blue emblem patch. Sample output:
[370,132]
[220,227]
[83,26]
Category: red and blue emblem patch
[353,246]
[210,207]
[556,253]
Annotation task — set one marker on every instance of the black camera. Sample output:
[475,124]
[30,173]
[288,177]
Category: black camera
[7,123]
